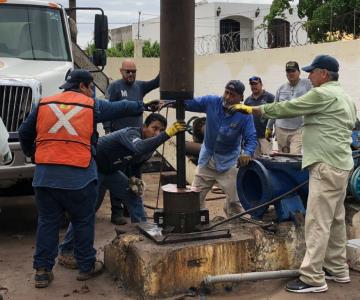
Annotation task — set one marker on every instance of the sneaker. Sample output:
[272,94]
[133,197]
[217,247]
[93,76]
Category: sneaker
[339,279]
[68,261]
[118,220]
[298,286]
[97,269]
[43,278]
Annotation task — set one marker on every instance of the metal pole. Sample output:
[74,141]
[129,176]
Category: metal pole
[72,4]
[138,33]
[177,20]
[354,23]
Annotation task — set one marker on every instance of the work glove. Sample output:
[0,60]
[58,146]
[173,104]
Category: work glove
[152,105]
[137,186]
[246,109]
[268,134]
[175,128]
[243,160]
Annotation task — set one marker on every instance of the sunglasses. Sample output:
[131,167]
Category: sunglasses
[130,71]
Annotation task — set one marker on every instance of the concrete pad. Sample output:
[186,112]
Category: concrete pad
[161,271]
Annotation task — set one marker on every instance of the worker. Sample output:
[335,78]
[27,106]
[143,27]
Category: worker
[289,131]
[260,96]
[60,134]
[329,117]
[222,148]
[114,153]
[131,89]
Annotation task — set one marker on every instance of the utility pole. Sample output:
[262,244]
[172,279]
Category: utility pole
[138,33]
[72,4]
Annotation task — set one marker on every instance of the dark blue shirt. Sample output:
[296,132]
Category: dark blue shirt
[117,150]
[119,90]
[66,177]
[260,123]
[224,133]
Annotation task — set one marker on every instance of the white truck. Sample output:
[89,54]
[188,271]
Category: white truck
[36,52]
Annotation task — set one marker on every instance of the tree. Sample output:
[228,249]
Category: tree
[127,49]
[327,20]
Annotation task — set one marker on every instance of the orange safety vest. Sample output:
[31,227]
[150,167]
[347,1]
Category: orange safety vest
[64,127]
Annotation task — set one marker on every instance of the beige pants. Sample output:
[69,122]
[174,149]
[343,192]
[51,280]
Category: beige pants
[289,141]
[206,177]
[263,147]
[325,232]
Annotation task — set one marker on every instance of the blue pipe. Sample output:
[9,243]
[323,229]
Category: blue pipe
[268,177]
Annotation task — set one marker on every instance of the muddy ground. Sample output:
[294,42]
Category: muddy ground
[17,236]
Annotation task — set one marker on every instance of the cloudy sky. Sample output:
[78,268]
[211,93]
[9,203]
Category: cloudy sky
[121,13]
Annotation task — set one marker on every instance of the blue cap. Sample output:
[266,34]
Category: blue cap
[323,62]
[236,86]
[74,78]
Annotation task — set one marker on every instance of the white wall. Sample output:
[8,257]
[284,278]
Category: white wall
[213,71]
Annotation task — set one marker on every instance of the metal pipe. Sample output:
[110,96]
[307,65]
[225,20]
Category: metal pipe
[251,276]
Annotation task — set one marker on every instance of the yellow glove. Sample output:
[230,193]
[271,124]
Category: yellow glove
[152,105]
[268,133]
[246,109]
[243,160]
[175,128]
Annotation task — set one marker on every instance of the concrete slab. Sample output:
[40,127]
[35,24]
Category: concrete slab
[161,271]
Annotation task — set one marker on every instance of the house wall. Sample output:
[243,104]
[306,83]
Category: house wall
[207,25]
[213,71]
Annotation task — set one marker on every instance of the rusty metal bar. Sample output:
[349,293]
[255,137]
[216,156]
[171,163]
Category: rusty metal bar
[177,23]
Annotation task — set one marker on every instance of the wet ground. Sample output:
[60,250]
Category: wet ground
[17,236]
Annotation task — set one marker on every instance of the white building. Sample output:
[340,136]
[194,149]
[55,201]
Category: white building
[231,27]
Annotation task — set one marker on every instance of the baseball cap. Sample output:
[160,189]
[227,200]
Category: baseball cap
[255,79]
[236,86]
[74,78]
[292,65]
[323,62]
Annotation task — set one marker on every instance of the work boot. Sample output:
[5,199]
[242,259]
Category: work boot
[43,278]
[118,219]
[67,260]
[97,269]
[232,208]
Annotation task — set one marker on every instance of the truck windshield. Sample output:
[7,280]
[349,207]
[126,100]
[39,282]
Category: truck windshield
[34,33]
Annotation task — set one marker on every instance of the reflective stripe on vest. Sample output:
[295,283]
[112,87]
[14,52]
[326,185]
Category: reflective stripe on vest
[65,125]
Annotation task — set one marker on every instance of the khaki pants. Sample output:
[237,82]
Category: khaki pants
[263,147]
[325,232]
[289,141]
[206,177]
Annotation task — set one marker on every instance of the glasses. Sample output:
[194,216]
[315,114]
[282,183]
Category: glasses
[254,83]
[291,70]
[130,71]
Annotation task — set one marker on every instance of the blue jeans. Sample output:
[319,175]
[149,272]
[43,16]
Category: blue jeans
[118,184]
[51,205]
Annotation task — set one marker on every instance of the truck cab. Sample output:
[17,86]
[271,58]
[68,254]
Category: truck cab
[35,56]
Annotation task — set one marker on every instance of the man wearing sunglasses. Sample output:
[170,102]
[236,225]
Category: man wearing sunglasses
[288,131]
[134,90]
[258,97]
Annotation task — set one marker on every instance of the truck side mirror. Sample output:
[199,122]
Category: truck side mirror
[99,57]
[101,34]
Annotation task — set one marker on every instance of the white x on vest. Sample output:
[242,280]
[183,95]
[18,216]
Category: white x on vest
[64,119]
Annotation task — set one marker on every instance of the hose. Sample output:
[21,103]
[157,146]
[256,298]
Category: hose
[257,207]
[250,276]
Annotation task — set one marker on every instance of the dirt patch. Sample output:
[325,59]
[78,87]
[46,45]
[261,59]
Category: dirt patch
[17,239]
